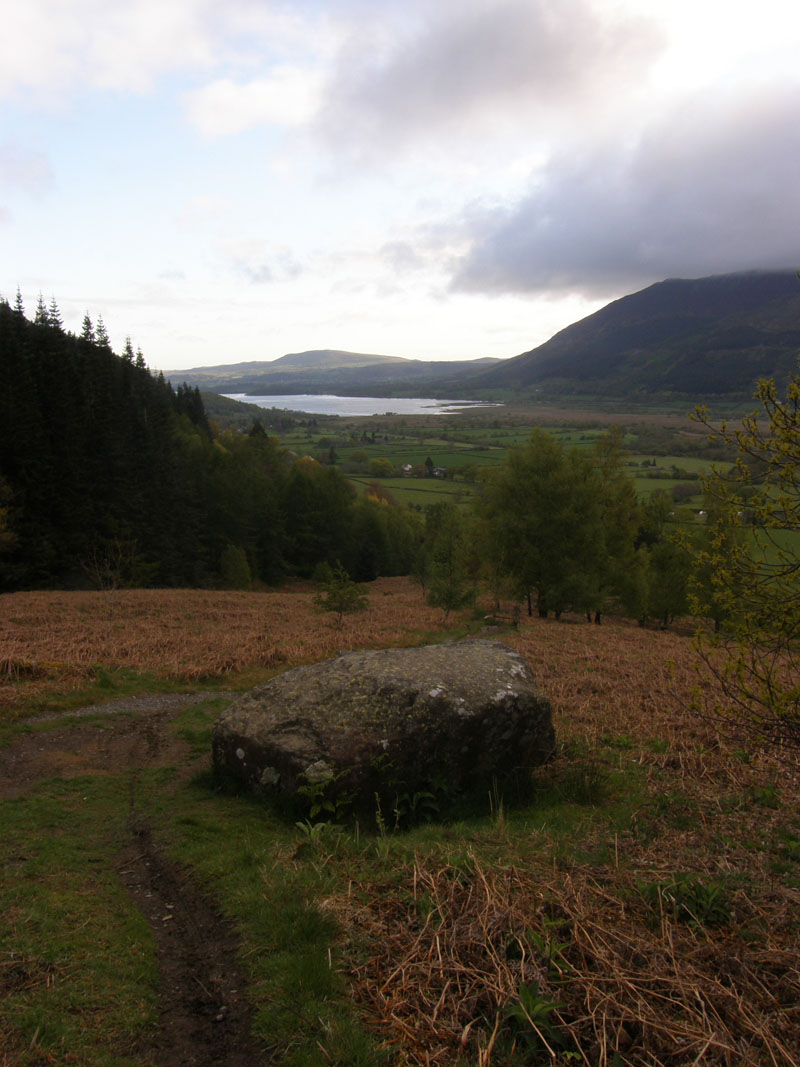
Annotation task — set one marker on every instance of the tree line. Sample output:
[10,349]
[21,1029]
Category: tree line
[106,469]
[561,529]
[102,460]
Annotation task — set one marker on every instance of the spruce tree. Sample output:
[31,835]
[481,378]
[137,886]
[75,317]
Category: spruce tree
[54,315]
[42,317]
[100,334]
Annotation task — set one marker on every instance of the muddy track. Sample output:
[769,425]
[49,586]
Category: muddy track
[205,1016]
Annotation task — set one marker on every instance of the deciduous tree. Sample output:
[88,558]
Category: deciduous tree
[753,560]
[340,595]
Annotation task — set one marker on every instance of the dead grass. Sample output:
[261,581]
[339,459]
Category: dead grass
[53,641]
[455,947]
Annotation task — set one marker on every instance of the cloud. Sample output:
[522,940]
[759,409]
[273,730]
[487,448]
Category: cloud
[709,188]
[288,96]
[51,48]
[48,46]
[258,262]
[468,67]
[25,169]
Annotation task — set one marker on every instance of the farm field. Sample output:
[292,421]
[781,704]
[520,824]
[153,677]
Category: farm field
[640,908]
[466,444]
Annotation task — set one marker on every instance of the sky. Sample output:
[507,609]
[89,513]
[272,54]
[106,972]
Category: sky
[233,180]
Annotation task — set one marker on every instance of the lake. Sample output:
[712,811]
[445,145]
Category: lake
[325,404]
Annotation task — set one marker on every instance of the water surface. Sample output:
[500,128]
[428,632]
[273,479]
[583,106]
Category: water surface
[327,404]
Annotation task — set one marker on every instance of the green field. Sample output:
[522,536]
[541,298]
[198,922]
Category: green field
[466,444]
[418,492]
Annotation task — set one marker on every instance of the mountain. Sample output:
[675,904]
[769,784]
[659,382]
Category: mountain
[332,371]
[699,337]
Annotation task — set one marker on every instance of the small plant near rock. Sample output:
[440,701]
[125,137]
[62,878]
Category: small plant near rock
[315,831]
[531,1021]
[765,796]
[623,742]
[325,797]
[687,899]
[549,950]
[414,808]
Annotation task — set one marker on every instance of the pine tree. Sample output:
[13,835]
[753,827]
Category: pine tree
[87,332]
[54,315]
[42,318]
[100,333]
[127,352]
[18,305]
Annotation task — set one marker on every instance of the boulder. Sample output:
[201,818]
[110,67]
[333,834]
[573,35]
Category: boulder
[437,721]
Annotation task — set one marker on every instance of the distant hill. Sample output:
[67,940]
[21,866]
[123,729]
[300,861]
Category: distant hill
[701,337]
[332,371]
[698,338]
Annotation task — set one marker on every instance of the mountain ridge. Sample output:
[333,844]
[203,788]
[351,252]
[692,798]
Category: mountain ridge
[696,337]
[715,335]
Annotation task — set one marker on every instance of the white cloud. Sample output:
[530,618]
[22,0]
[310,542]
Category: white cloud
[48,46]
[288,96]
[51,48]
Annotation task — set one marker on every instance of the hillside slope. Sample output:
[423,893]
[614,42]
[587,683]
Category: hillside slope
[699,337]
[330,371]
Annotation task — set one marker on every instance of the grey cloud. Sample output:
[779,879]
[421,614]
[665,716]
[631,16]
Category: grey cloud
[401,256]
[476,62]
[282,267]
[711,188]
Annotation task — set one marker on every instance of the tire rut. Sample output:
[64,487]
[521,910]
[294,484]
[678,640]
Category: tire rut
[205,1016]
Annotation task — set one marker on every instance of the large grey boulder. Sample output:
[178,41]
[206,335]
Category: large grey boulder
[442,719]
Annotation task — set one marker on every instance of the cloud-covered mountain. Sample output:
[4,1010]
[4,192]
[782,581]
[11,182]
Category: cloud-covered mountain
[712,336]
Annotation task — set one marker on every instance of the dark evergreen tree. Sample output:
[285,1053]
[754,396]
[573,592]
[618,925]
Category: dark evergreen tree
[101,334]
[54,315]
[42,316]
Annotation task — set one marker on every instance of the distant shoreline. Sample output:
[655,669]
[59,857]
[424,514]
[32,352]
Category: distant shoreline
[329,404]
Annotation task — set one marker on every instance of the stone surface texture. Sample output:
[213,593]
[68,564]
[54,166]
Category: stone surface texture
[448,718]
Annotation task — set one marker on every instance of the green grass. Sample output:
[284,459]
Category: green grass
[77,968]
[418,491]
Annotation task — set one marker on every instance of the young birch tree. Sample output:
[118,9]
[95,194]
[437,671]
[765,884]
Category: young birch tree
[753,562]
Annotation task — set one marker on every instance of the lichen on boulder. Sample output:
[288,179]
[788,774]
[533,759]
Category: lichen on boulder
[441,720]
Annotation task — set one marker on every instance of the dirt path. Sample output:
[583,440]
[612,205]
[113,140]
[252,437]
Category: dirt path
[136,735]
[205,1017]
